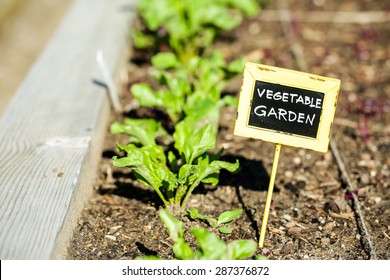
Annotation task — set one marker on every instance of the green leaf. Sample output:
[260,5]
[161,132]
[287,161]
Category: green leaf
[261,257]
[205,37]
[194,213]
[225,230]
[148,258]
[211,179]
[207,170]
[212,222]
[241,249]
[203,109]
[197,144]
[237,66]
[145,95]
[211,173]
[164,60]
[186,170]
[228,100]
[182,250]
[217,16]
[155,12]
[171,101]
[173,225]
[221,18]
[173,162]
[211,246]
[149,166]
[229,216]
[143,131]
[142,40]
[218,164]
[182,131]
[248,7]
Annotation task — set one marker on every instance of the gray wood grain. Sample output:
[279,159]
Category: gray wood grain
[51,134]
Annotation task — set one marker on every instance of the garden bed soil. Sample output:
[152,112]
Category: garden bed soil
[313,215]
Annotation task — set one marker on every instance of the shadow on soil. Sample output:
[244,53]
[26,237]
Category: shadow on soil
[252,175]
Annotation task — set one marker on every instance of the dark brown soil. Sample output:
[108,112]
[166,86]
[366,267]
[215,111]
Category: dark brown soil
[313,215]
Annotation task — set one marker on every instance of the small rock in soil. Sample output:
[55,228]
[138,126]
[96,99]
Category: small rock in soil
[287,217]
[114,230]
[111,237]
[331,206]
[294,231]
[328,226]
[288,247]
[291,224]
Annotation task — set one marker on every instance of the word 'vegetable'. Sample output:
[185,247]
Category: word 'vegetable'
[286,109]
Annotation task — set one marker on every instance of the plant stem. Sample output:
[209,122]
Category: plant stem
[161,195]
[189,193]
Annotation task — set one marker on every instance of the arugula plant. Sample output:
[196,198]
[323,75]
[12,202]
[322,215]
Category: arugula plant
[211,247]
[223,218]
[176,175]
[203,72]
[189,26]
[189,90]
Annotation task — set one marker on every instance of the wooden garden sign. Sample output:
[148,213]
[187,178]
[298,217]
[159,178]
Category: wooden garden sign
[285,107]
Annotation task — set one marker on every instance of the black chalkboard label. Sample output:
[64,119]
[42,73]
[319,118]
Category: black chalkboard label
[286,109]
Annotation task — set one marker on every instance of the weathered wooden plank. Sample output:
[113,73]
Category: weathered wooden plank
[51,134]
[6,6]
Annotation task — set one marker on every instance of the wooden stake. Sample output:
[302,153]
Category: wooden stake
[269,195]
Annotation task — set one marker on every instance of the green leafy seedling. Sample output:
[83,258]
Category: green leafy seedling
[223,218]
[189,27]
[211,247]
[174,179]
[189,90]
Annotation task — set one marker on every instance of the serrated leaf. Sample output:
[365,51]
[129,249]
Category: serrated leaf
[143,131]
[192,143]
[197,144]
[211,173]
[148,164]
[229,216]
[241,249]
[206,169]
[203,109]
[218,164]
